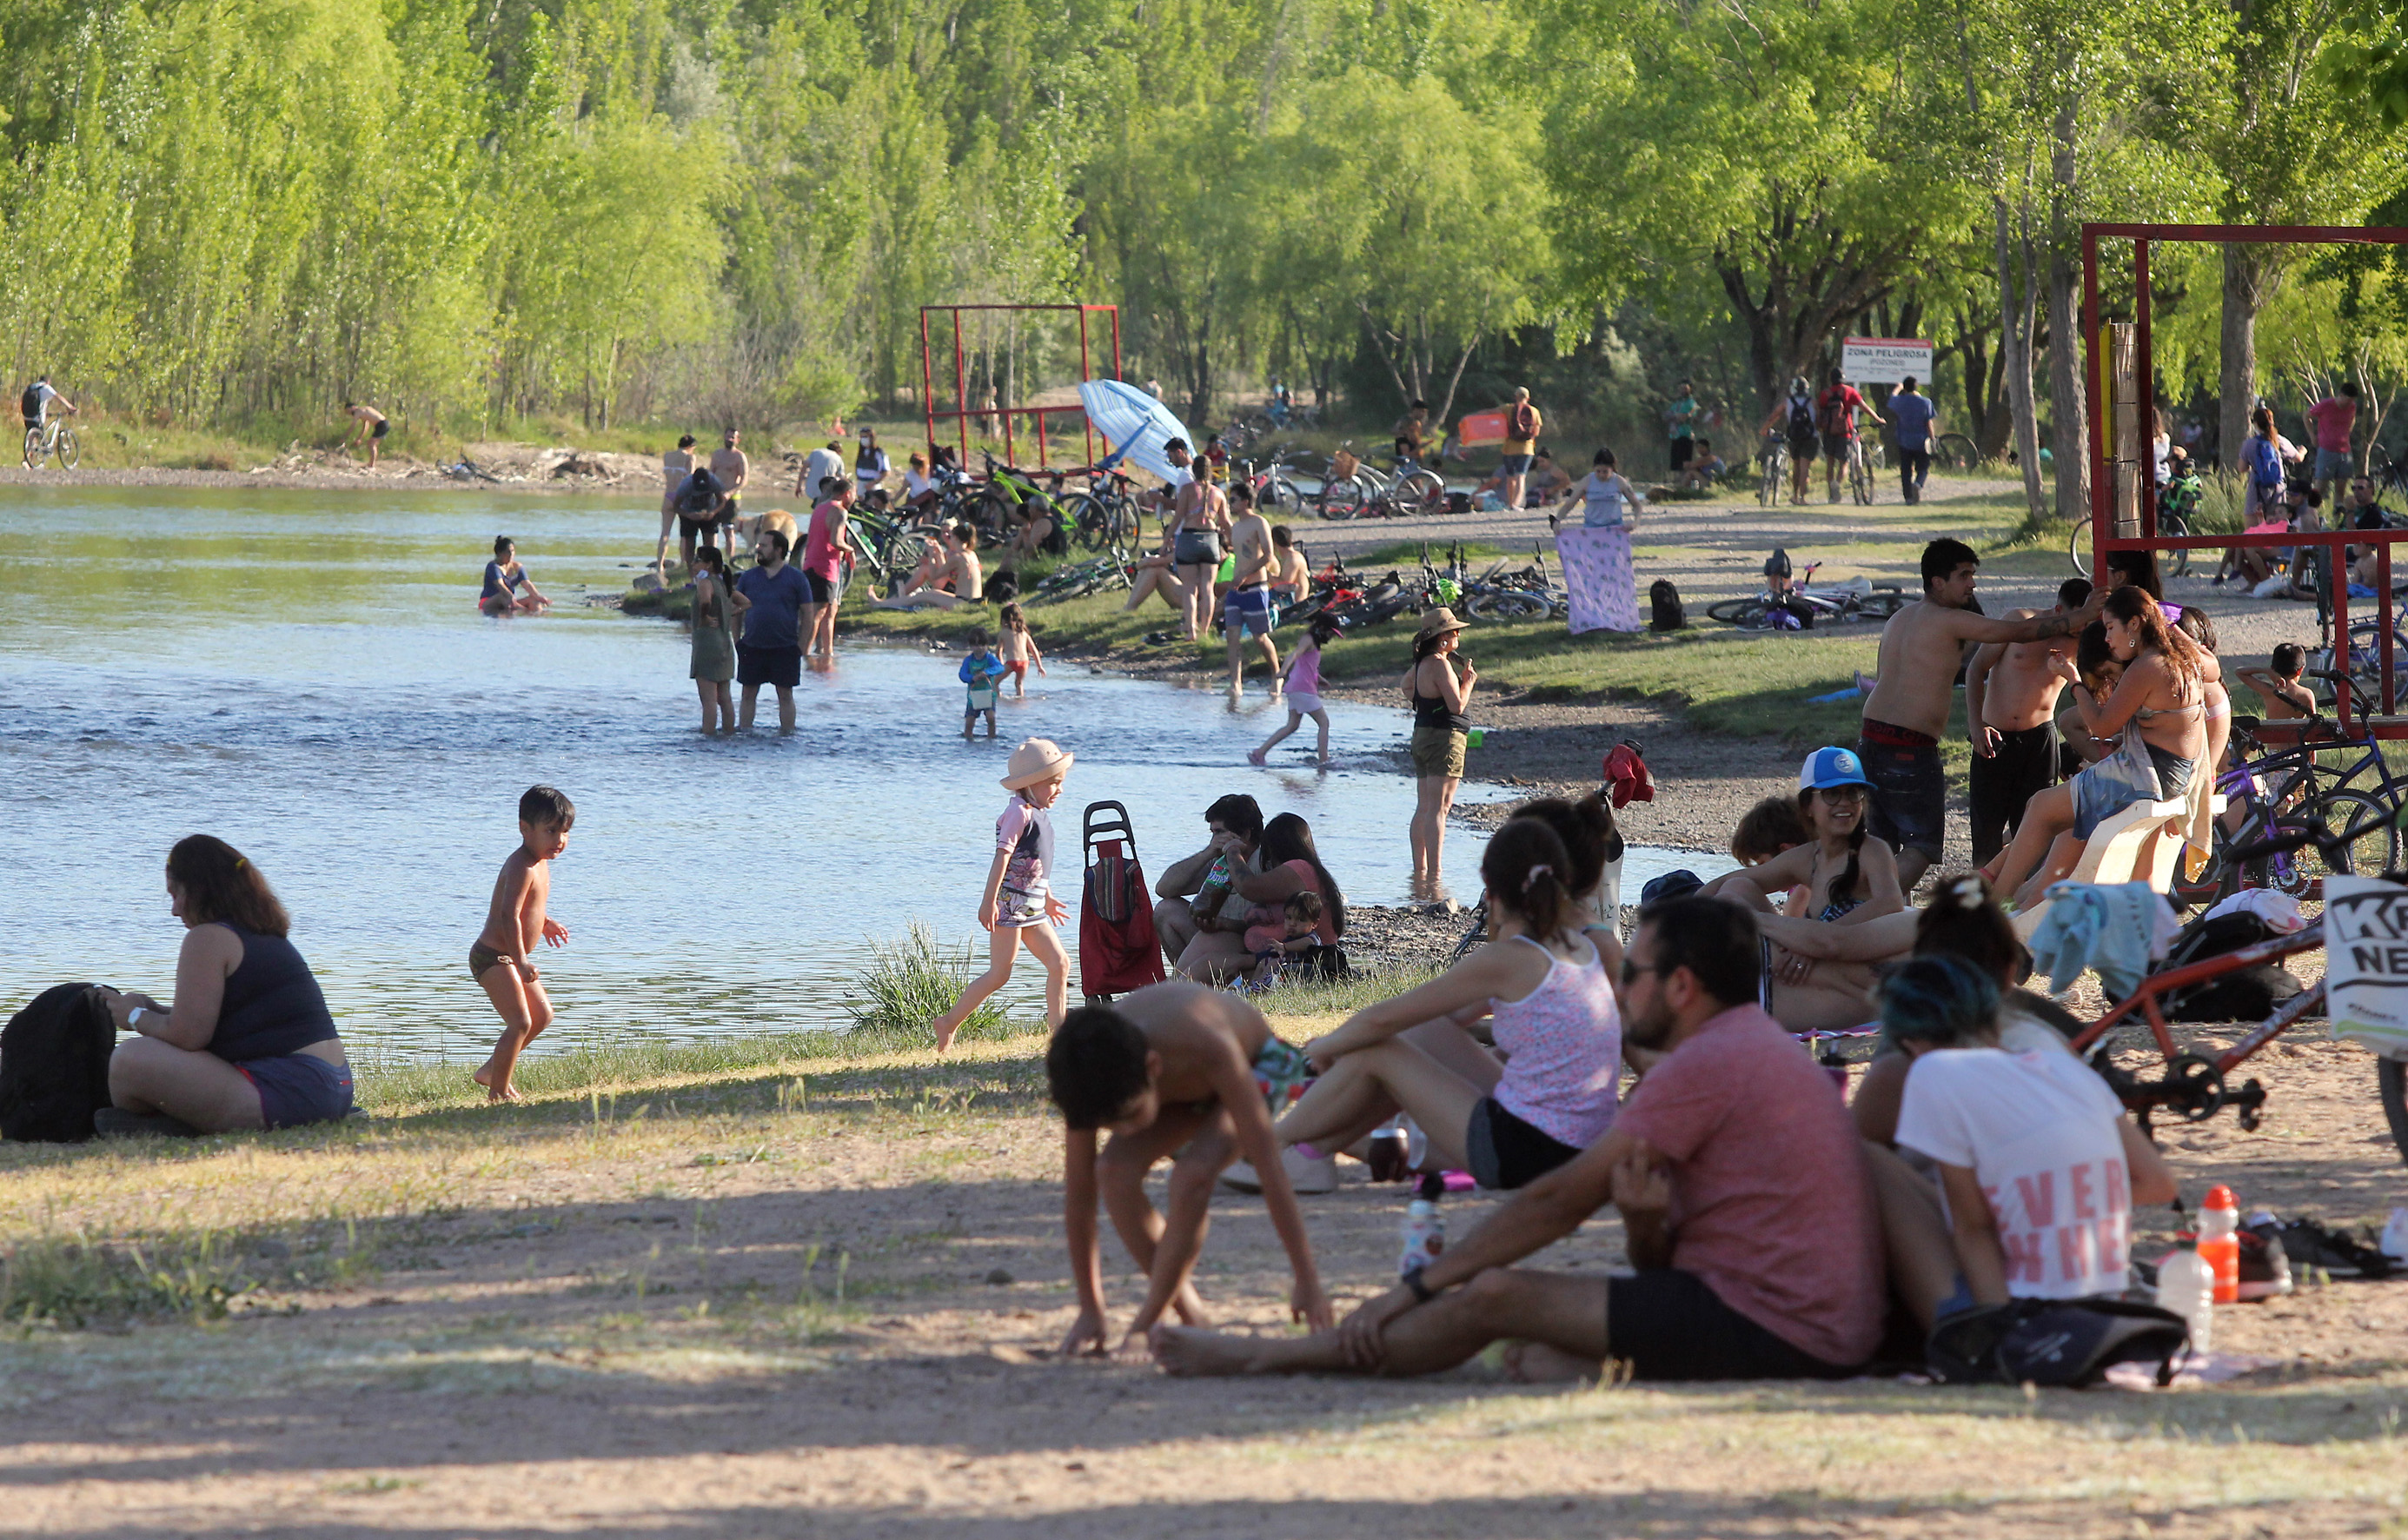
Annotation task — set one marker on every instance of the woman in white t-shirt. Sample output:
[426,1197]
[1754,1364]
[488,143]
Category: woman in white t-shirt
[2038,1166]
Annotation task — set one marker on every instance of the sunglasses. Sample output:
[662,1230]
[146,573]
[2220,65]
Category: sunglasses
[1632,972]
[1841,794]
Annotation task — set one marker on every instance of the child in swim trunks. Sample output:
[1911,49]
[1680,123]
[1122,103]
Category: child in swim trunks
[1018,902]
[982,672]
[502,957]
[1193,1075]
[1283,932]
[1018,649]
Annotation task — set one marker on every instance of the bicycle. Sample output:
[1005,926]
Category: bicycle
[1861,479]
[1410,489]
[53,438]
[1776,470]
[2172,525]
[1956,452]
[1858,599]
[1529,594]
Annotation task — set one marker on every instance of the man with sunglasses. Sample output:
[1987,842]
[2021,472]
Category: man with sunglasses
[1773,1270]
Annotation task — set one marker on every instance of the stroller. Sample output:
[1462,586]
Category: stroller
[1118,949]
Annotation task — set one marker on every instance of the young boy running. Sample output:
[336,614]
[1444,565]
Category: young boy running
[502,959]
[1180,1072]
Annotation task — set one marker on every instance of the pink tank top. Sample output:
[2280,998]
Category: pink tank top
[1304,671]
[1564,1045]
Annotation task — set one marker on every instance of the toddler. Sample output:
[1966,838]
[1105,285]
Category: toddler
[1019,651]
[979,671]
[502,959]
[1283,933]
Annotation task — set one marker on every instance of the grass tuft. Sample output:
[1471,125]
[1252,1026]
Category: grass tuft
[911,981]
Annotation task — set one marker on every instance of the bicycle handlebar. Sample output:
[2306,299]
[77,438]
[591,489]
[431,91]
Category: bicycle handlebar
[2330,845]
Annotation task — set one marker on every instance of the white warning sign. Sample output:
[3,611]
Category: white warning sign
[1884,360]
[2365,962]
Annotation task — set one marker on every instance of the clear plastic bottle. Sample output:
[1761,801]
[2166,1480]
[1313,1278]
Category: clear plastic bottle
[2219,1216]
[1425,1227]
[2187,1287]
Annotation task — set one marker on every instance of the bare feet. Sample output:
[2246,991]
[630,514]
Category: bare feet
[945,1030]
[1257,757]
[502,1092]
[1189,1351]
[1537,1363]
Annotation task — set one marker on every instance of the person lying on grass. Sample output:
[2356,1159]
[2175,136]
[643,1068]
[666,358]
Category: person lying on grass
[1743,1192]
[1178,1071]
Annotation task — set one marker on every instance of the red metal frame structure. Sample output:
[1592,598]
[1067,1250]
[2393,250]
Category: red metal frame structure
[961,413]
[2388,724]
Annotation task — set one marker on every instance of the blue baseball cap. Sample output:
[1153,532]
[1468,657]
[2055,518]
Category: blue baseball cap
[1832,767]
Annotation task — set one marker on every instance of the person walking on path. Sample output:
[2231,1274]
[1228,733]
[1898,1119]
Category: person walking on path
[1835,411]
[39,400]
[675,465]
[771,652]
[369,428]
[1017,903]
[1521,426]
[1922,650]
[728,464]
[1440,698]
[826,548]
[1792,418]
[1681,421]
[712,660]
[1597,556]
[2329,421]
[1916,417]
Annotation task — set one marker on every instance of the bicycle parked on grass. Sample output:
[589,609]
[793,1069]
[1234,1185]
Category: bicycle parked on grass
[1857,598]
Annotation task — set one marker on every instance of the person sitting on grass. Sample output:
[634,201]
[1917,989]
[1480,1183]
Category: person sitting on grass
[1279,934]
[248,1043]
[1173,1071]
[2157,706]
[1556,1022]
[1704,468]
[958,580]
[2038,1167]
[1743,1200]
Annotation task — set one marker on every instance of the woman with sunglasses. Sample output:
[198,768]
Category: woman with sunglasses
[1847,878]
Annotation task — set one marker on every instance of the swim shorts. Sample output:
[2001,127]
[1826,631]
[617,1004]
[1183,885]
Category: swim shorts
[1437,751]
[1282,1073]
[296,1088]
[772,666]
[1910,801]
[1249,609]
[1505,1152]
[1669,1324]
[823,589]
[377,432]
[1303,703]
[1196,548]
[1513,465]
[1835,446]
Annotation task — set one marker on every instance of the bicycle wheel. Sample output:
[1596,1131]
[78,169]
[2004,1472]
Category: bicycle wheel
[1747,614]
[1344,499]
[1860,479]
[2391,1084]
[1955,451]
[70,454]
[1421,492]
[36,450]
[2372,853]
[1767,491]
[1508,605]
[2173,527]
[1090,522]
[2077,546]
[1279,492]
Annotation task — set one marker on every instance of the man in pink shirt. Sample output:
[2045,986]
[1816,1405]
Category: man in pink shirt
[1743,1194]
[825,545]
[2329,421]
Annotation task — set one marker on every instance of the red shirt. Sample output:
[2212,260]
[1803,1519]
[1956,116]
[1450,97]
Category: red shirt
[1836,408]
[2332,418]
[1771,1205]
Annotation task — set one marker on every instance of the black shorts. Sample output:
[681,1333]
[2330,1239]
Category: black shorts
[823,589]
[704,527]
[779,666]
[1506,1152]
[2000,784]
[1835,445]
[1681,450]
[380,429]
[1667,1324]
[1800,450]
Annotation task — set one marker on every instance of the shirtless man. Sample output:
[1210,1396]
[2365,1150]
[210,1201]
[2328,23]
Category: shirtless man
[1248,608]
[729,465]
[1922,648]
[371,430]
[1201,516]
[675,465]
[2010,712]
[959,571]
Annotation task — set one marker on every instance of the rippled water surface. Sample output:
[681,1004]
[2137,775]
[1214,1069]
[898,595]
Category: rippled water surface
[306,675]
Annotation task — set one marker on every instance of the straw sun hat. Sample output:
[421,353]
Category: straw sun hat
[1437,619]
[1036,759]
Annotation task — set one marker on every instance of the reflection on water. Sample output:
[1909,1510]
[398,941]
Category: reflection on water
[306,675]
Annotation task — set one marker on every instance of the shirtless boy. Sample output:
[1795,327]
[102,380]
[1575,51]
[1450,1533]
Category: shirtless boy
[371,429]
[1180,1072]
[502,960]
[1248,608]
[728,464]
[1922,647]
[2278,683]
[2010,711]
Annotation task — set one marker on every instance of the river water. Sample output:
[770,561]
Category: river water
[306,675]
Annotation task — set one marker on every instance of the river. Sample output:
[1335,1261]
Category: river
[306,675]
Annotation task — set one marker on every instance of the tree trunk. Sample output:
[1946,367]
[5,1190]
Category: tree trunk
[1446,408]
[2237,339]
[2069,398]
[2015,348]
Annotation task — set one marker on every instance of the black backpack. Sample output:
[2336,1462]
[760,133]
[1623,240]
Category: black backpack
[30,404]
[2245,994]
[1667,613]
[1802,419]
[54,1066]
[2066,1343]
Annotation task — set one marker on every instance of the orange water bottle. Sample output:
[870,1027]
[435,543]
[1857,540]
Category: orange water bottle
[2219,1216]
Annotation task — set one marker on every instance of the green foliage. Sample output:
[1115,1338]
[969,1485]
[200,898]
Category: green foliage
[910,983]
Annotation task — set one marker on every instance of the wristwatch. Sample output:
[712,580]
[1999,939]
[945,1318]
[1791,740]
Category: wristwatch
[133,1019]
[1422,1292]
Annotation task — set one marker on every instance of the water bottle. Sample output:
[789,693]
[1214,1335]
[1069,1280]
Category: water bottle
[2187,1287]
[2219,1218]
[1425,1227]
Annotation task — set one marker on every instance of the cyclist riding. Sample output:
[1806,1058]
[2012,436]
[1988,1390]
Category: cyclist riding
[1835,414]
[37,405]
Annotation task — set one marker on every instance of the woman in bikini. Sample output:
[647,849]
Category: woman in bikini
[1847,879]
[2159,706]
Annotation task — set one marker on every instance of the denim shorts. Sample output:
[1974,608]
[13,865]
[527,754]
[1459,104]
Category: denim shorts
[1910,798]
[297,1089]
[1513,465]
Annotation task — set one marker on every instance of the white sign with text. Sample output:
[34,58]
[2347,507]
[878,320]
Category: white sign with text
[2365,962]
[1884,360]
